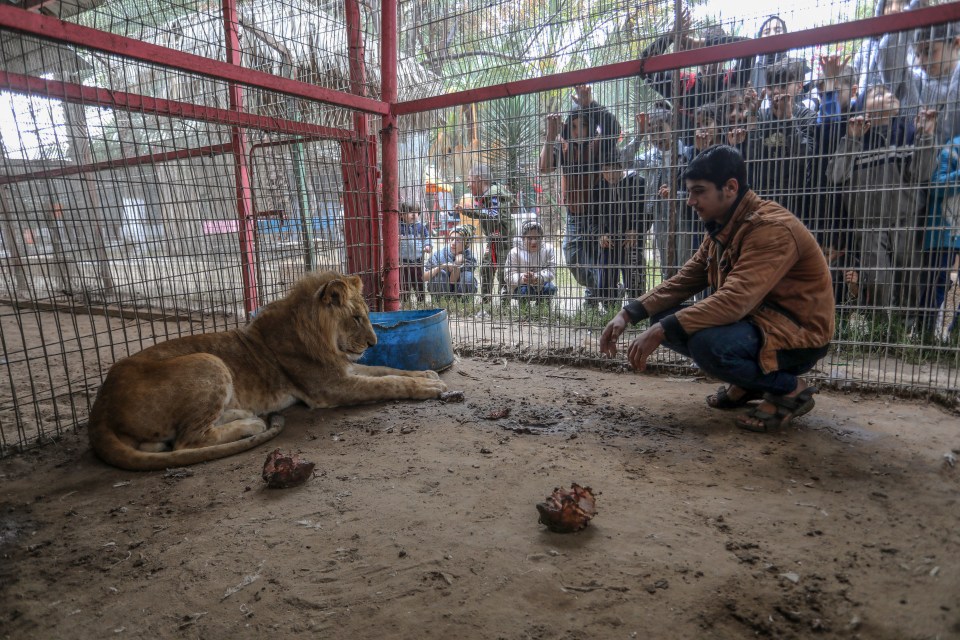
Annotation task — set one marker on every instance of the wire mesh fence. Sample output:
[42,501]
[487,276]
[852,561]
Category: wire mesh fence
[142,201]
[855,137]
[868,200]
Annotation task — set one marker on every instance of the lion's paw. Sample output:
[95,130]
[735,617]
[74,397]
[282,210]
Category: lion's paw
[432,375]
[246,428]
[430,388]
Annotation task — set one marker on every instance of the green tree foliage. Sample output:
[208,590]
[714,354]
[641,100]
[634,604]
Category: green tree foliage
[508,134]
[473,43]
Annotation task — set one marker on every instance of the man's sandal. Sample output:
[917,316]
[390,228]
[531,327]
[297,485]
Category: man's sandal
[788,408]
[722,400]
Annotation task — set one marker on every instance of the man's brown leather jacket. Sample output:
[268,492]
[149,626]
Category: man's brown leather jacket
[762,265]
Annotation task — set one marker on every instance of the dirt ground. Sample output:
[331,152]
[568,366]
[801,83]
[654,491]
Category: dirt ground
[420,522]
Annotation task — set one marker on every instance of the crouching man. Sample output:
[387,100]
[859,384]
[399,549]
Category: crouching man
[770,316]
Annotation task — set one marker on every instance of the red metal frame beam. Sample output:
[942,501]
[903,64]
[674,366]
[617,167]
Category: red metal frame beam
[360,211]
[285,142]
[693,57]
[153,158]
[355,49]
[389,144]
[362,221]
[245,208]
[53,29]
[70,92]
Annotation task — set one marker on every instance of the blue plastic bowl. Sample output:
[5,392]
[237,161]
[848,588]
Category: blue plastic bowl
[410,340]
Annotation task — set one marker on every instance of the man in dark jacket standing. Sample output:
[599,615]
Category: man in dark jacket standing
[771,315]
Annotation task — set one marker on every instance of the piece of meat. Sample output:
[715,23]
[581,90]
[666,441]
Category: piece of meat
[284,471]
[452,396]
[568,510]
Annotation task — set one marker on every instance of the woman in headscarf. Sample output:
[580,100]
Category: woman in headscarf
[772,26]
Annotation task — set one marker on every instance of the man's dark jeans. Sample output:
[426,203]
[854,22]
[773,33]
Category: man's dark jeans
[731,353]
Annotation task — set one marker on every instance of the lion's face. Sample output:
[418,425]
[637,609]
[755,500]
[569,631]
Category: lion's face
[343,300]
[356,333]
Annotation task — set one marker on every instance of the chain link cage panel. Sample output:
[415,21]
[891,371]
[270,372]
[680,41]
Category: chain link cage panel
[298,39]
[859,139]
[124,223]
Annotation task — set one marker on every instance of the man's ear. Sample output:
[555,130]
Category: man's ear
[333,293]
[732,184]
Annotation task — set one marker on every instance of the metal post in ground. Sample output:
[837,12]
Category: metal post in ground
[389,141]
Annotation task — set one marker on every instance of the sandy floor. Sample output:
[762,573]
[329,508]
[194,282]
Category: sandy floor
[420,523]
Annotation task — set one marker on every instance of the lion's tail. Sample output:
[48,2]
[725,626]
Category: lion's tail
[112,450]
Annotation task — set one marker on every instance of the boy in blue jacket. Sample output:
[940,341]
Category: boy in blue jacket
[941,242]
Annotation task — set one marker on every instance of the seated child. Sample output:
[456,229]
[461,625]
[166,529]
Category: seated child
[450,270]
[531,267]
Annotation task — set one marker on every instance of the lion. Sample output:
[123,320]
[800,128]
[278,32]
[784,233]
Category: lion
[199,398]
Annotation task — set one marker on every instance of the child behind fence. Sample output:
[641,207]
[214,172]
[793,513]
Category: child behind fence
[622,223]
[930,82]
[414,243]
[881,167]
[829,219]
[531,267]
[778,149]
[450,271]
[663,191]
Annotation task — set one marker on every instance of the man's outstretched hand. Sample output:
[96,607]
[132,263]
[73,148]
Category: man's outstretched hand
[644,345]
[640,349]
[612,332]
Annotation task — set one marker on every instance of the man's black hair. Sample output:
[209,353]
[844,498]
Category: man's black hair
[531,225]
[660,115]
[609,154]
[707,111]
[786,70]
[717,164]
[600,121]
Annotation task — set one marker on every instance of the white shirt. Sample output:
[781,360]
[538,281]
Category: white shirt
[520,261]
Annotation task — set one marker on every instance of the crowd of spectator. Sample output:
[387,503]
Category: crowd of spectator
[864,149]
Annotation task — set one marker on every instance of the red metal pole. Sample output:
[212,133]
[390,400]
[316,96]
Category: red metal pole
[241,172]
[390,161]
[949,12]
[361,220]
